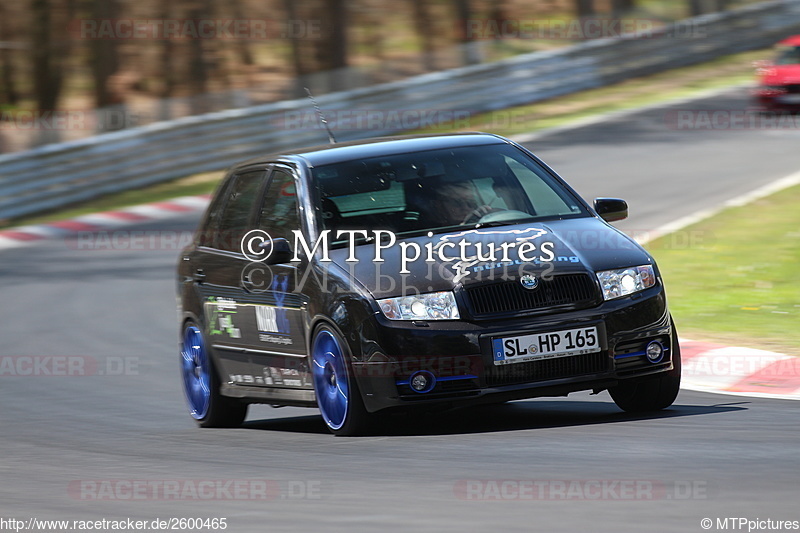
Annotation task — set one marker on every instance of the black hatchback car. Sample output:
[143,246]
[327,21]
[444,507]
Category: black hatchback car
[415,271]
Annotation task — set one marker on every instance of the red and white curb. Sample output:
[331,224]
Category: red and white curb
[710,367]
[22,235]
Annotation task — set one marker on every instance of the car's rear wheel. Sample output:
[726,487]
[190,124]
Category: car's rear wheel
[201,384]
[338,397]
[652,394]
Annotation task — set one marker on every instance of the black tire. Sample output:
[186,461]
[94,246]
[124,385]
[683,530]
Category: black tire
[652,394]
[335,386]
[201,384]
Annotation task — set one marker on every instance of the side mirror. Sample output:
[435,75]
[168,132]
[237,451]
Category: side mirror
[278,249]
[611,209]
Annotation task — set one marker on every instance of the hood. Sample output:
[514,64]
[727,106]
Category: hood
[486,255]
[781,75]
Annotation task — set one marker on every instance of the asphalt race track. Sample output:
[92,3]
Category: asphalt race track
[110,437]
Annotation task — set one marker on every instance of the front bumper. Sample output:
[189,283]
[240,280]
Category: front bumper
[458,355]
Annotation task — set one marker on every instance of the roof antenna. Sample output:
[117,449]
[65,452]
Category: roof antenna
[331,138]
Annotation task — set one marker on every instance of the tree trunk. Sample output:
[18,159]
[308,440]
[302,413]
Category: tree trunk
[199,66]
[463,15]
[337,13]
[332,48]
[620,8]
[703,7]
[696,8]
[242,46]
[47,65]
[50,46]
[9,94]
[105,58]
[721,5]
[498,16]
[167,53]
[296,43]
[424,28]
[584,8]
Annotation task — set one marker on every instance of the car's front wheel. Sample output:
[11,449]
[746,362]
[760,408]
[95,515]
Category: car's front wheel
[201,384]
[338,397]
[652,394]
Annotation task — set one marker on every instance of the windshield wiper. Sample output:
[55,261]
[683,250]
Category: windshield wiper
[496,223]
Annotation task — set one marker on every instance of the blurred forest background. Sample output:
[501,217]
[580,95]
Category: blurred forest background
[52,56]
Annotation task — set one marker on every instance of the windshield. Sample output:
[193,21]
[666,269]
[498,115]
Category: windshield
[788,55]
[440,190]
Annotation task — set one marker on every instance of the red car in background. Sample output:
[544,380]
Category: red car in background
[779,80]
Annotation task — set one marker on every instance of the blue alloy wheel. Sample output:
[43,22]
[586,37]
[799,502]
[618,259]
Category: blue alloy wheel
[196,375]
[331,382]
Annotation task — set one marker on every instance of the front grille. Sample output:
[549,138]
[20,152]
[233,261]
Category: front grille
[574,290]
[562,367]
[792,88]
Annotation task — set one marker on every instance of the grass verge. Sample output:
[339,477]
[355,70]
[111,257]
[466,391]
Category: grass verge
[735,274]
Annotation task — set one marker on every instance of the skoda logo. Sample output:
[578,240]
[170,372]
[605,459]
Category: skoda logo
[529,282]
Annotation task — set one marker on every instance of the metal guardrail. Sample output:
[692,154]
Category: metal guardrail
[59,174]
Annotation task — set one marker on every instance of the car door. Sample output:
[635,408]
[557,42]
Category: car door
[276,336]
[216,266]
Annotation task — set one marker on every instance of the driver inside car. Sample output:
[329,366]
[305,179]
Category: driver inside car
[455,203]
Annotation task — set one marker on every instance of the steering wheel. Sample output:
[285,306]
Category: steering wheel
[477,214]
[487,213]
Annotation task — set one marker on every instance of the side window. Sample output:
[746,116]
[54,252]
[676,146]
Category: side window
[234,219]
[279,211]
[206,235]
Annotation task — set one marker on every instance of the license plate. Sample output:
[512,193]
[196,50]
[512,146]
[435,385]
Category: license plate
[539,346]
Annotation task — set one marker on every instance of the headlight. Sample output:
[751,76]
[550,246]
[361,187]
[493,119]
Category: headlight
[624,281]
[431,306]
